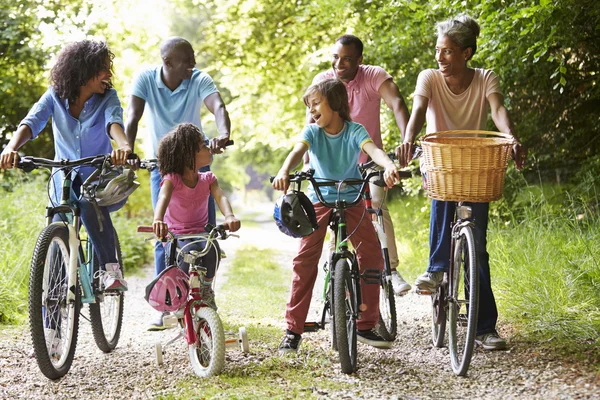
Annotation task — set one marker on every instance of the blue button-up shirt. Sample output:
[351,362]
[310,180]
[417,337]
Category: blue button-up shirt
[76,138]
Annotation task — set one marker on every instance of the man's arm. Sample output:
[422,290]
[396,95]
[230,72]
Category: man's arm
[216,106]
[415,124]
[134,114]
[390,93]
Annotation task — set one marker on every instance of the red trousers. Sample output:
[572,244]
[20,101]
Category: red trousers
[305,268]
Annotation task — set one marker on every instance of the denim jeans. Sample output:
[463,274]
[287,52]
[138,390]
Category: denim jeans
[440,230]
[159,250]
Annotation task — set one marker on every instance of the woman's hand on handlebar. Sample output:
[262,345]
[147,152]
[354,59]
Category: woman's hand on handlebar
[119,155]
[233,223]
[160,229]
[282,180]
[9,158]
[404,153]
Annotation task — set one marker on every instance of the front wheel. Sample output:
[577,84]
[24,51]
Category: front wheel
[387,325]
[54,320]
[345,306]
[207,355]
[463,302]
[106,314]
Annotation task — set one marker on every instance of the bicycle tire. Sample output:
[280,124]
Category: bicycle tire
[106,314]
[345,306]
[54,323]
[464,301]
[387,326]
[439,315]
[207,355]
[329,313]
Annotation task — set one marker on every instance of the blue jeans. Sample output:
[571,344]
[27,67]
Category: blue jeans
[159,250]
[440,229]
[102,236]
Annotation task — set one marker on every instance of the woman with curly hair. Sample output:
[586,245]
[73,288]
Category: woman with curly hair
[86,114]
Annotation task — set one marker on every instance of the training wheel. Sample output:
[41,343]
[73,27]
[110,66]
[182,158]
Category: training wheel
[244,340]
[158,352]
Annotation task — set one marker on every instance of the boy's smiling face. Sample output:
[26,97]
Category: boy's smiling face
[320,111]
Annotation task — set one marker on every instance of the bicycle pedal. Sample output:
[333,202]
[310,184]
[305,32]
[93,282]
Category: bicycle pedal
[312,326]
[425,292]
[371,276]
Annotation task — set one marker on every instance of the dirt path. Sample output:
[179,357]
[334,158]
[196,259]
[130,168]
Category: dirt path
[412,369]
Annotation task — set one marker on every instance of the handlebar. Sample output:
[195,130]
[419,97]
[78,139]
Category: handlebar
[29,163]
[213,231]
[298,177]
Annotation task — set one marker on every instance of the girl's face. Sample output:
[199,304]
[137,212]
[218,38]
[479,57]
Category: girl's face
[451,59]
[323,115]
[203,157]
[100,82]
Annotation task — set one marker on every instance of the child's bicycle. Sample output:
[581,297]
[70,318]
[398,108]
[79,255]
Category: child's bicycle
[198,323]
[387,325]
[65,274]
[342,294]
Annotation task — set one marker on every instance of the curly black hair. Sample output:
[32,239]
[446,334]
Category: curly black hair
[77,63]
[177,149]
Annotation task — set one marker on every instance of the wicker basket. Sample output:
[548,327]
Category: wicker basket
[465,165]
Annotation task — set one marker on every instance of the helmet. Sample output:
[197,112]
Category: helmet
[295,215]
[110,185]
[169,290]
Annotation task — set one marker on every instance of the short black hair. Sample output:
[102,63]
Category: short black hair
[346,40]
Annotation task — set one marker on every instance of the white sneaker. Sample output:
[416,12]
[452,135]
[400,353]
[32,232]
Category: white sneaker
[429,282]
[113,278]
[399,284]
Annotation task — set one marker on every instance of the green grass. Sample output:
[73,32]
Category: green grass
[254,296]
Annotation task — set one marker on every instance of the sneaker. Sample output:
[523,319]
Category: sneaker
[491,341]
[208,295]
[290,343]
[399,284]
[372,338]
[429,282]
[158,324]
[113,278]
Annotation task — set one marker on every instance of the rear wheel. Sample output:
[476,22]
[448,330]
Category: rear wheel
[106,315]
[463,301]
[207,355]
[53,319]
[345,311]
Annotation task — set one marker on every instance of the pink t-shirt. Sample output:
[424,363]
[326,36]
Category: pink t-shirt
[447,111]
[364,99]
[188,209]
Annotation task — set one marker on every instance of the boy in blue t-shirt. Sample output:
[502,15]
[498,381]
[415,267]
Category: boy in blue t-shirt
[334,144]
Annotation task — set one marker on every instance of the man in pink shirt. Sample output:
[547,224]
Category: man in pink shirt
[366,86]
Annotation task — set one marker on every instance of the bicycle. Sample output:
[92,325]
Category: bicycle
[65,274]
[198,322]
[387,325]
[464,167]
[342,294]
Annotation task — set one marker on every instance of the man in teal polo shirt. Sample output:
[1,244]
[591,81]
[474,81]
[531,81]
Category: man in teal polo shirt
[174,93]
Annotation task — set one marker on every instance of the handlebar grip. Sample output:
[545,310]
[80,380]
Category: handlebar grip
[229,143]
[145,229]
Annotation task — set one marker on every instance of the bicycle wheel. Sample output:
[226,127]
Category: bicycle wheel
[387,325]
[53,320]
[463,302]
[207,355]
[345,306]
[439,308]
[106,314]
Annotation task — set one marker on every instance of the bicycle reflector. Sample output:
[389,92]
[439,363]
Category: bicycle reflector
[295,215]
[169,290]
